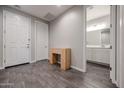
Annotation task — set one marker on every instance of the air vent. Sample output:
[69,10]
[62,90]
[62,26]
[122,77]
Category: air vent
[49,16]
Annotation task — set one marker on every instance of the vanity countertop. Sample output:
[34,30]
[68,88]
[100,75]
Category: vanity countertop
[98,47]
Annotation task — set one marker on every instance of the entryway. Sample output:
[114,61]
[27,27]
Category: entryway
[41,41]
[106,35]
[16,39]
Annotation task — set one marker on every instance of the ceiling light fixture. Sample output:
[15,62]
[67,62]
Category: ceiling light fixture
[96,27]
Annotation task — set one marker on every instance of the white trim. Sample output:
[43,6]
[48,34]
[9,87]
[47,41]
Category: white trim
[112,58]
[116,83]
[76,68]
[113,42]
[33,61]
[120,46]
[3,38]
[30,39]
[2,68]
[119,22]
[35,23]
[84,39]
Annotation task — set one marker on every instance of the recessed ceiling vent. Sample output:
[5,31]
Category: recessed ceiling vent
[49,16]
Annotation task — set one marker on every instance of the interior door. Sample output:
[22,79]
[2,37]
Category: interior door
[41,41]
[16,39]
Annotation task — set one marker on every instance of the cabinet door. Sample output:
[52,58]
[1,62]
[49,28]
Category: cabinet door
[89,54]
[98,55]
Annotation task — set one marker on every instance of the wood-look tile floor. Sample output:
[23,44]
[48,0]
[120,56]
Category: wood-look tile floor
[44,75]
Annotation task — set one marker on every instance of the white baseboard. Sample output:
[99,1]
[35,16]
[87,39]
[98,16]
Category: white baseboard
[77,68]
[37,60]
[33,61]
[116,83]
[2,68]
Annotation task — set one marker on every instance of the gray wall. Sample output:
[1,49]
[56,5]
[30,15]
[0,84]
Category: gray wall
[33,19]
[67,32]
[1,37]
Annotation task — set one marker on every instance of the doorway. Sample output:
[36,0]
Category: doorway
[100,37]
[41,40]
[16,39]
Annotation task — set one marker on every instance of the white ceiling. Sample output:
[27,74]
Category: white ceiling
[97,11]
[42,10]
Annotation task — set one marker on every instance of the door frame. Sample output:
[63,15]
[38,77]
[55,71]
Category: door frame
[35,24]
[84,39]
[35,28]
[120,27]
[4,40]
[113,30]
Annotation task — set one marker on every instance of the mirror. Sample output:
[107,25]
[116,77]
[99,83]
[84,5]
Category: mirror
[98,26]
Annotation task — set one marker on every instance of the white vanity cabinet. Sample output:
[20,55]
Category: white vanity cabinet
[99,55]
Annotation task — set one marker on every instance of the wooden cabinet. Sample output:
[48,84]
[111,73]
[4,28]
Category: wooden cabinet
[100,55]
[65,57]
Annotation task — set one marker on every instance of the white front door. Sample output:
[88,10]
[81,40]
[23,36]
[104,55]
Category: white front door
[16,38]
[41,41]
